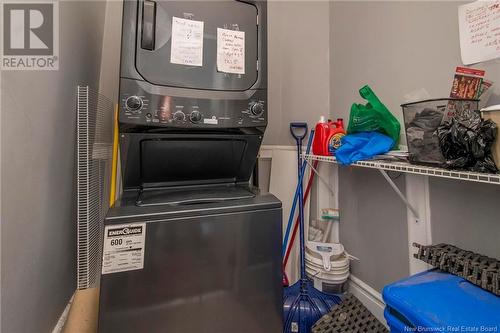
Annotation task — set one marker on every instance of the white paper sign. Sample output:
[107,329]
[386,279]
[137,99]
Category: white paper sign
[230,51]
[479,25]
[187,42]
[123,248]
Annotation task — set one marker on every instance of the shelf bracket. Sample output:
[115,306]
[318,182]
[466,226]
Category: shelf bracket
[401,195]
[320,176]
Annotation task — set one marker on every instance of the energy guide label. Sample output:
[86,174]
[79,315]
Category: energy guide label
[123,248]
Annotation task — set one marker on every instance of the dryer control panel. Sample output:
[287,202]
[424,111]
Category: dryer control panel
[141,108]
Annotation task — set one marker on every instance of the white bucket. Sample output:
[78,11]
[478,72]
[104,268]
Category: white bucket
[338,273]
[338,278]
[328,286]
[328,252]
[339,262]
[340,267]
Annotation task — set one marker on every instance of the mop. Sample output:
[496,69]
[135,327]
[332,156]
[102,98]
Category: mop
[303,305]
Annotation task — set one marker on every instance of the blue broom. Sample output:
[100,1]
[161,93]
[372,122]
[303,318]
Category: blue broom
[303,304]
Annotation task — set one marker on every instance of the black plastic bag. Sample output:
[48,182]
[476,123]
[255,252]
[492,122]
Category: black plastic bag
[466,143]
[422,136]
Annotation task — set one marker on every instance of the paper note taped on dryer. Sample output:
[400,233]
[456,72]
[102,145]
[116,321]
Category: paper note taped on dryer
[187,42]
[230,51]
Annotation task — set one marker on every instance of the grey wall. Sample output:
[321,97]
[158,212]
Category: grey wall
[299,65]
[373,226]
[38,174]
[467,215]
[110,61]
[397,47]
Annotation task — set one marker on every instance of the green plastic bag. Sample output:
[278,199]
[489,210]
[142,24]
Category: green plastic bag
[374,116]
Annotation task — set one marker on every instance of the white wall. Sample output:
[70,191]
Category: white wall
[38,141]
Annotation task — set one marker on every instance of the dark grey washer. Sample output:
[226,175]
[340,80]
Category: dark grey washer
[210,267]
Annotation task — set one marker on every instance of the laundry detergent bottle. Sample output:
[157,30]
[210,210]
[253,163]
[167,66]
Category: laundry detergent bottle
[335,134]
[327,136]
[320,137]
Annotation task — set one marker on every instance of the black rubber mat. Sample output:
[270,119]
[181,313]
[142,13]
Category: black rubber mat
[350,316]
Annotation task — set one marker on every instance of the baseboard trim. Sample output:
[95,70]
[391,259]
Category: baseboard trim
[370,298]
[266,151]
[64,317]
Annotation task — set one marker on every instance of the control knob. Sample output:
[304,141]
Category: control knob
[179,116]
[133,103]
[195,116]
[257,109]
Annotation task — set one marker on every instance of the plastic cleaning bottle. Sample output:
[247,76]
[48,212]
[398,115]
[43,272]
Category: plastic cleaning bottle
[327,136]
[320,137]
[335,134]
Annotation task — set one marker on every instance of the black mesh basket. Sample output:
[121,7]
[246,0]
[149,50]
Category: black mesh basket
[422,120]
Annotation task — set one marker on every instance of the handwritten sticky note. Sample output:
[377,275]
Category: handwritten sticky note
[230,51]
[479,26]
[187,42]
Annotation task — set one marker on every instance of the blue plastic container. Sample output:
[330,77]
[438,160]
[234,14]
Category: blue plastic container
[434,301]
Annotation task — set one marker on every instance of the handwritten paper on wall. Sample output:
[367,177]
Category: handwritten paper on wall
[479,25]
[187,42]
[230,51]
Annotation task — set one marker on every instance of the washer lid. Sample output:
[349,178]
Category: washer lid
[187,196]
[127,210]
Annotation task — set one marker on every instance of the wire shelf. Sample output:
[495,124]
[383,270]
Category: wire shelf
[417,169]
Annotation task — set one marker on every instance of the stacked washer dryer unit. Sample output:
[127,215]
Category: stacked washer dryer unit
[191,246]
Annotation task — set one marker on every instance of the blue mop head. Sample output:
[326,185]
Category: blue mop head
[303,305]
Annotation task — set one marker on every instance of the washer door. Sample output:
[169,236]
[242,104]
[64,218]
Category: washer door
[160,65]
